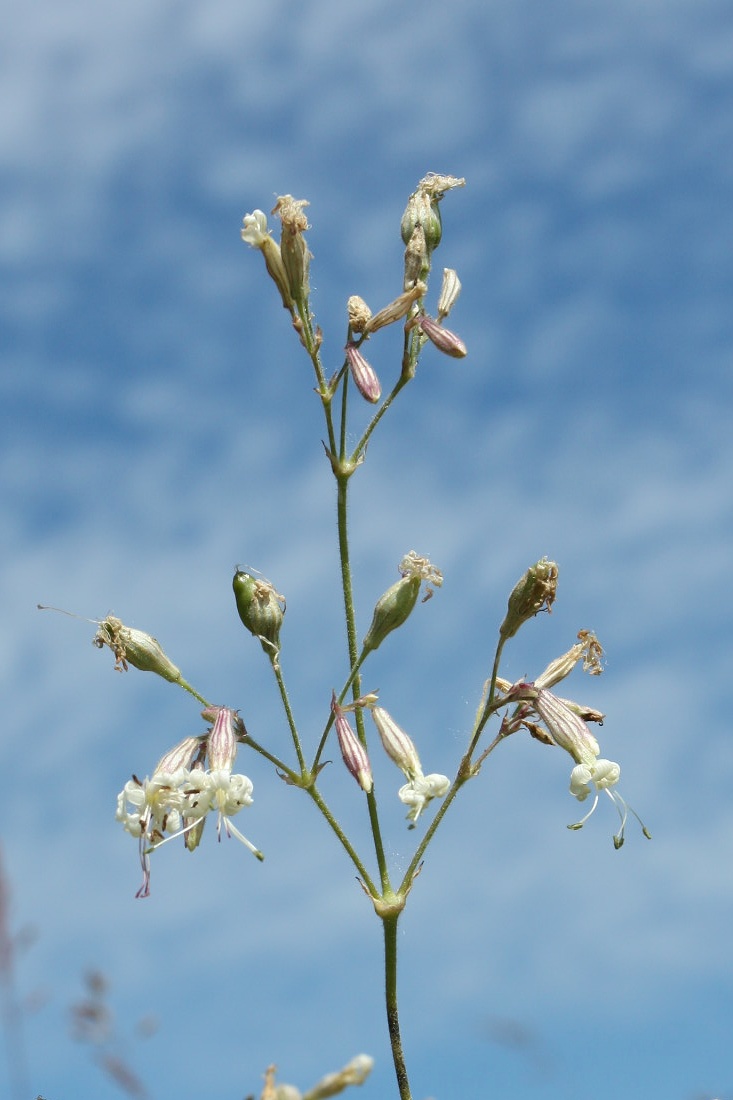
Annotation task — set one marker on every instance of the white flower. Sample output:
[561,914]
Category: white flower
[591,773]
[181,793]
[401,749]
[148,810]
[254,231]
[601,775]
[419,791]
[226,794]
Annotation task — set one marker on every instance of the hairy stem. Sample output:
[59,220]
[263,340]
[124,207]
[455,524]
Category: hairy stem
[393,1016]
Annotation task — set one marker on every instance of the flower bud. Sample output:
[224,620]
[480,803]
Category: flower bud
[398,746]
[444,340]
[136,648]
[364,375]
[260,608]
[535,590]
[222,743]
[353,753]
[449,292]
[180,756]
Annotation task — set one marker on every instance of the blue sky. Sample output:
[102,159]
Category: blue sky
[159,426]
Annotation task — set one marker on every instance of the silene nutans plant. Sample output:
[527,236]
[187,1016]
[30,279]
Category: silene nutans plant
[199,777]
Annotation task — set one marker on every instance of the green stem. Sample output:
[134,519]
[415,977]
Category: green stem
[350,615]
[282,767]
[312,347]
[192,691]
[345,842]
[489,706]
[466,769]
[393,1017]
[288,712]
[340,698]
[361,445]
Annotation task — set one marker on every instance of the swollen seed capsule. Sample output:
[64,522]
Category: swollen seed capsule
[533,591]
[260,608]
[392,610]
[136,648]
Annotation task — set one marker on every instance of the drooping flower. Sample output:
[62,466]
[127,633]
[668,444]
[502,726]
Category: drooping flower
[419,791]
[566,728]
[150,808]
[218,790]
[420,788]
[254,229]
[181,792]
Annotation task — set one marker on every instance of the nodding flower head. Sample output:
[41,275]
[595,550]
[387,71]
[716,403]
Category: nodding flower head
[566,725]
[181,792]
[420,789]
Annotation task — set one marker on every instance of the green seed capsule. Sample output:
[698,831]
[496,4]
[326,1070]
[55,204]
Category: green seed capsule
[136,648]
[533,591]
[260,608]
[392,610]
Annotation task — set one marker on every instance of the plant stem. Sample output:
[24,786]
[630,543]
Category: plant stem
[346,843]
[361,445]
[350,615]
[288,713]
[393,1016]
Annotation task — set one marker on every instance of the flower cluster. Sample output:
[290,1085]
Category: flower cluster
[183,790]
[420,789]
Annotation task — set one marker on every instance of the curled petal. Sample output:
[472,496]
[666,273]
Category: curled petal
[254,229]
[419,791]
